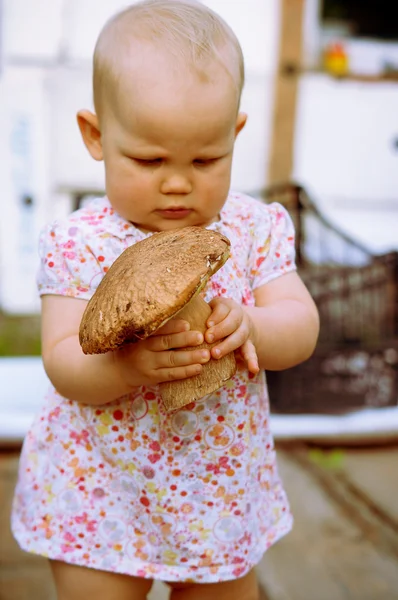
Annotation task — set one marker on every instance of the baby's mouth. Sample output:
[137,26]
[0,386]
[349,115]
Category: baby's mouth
[174,212]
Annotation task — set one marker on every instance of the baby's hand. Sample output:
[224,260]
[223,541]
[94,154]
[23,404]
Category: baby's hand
[229,320]
[158,358]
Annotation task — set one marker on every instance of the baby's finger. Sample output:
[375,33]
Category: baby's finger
[220,311]
[158,343]
[249,354]
[225,328]
[173,326]
[231,343]
[181,358]
[176,373]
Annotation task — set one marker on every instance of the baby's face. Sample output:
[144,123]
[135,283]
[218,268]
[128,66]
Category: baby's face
[167,148]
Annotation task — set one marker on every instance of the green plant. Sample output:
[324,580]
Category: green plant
[19,335]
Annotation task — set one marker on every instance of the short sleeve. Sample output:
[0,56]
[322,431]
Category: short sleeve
[67,267]
[273,250]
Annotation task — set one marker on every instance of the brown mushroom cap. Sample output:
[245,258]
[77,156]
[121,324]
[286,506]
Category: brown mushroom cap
[148,284]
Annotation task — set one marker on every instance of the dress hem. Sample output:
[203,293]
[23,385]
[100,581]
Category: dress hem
[172,573]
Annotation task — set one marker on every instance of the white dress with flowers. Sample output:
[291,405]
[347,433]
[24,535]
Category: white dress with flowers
[128,488]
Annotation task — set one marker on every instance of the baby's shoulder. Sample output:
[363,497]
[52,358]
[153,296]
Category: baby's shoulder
[92,215]
[95,220]
[248,213]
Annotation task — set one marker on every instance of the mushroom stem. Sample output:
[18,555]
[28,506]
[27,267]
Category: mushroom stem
[196,312]
[176,394]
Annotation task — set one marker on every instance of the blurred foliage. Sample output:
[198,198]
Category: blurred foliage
[327,459]
[19,335]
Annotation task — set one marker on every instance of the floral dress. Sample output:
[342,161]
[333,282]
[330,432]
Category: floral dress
[128,488]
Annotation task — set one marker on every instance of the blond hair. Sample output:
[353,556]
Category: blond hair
[187,30]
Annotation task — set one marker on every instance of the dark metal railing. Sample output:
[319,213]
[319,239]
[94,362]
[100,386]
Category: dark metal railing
[355,363]
[318,241]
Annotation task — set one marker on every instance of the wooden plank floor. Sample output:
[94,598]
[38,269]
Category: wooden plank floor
[344,545]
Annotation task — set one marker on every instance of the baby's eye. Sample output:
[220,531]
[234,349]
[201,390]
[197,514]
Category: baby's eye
[148,162]
[204,162]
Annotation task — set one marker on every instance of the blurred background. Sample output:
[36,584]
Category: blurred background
[322,138]
[338,137]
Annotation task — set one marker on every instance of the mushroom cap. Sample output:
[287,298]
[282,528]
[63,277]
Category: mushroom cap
[149,283]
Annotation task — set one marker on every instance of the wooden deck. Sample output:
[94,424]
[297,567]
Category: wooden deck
[344,545]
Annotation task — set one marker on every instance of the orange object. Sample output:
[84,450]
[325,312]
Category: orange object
[335,59]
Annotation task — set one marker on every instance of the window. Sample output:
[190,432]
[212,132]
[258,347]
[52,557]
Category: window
[376,19]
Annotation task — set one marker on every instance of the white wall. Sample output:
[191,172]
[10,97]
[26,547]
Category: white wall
[346,155]
[346,134]
[24,171]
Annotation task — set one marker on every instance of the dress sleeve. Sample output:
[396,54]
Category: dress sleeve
[273,250]
[67,266]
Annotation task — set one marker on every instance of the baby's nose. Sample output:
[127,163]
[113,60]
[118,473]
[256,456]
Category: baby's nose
[176,184]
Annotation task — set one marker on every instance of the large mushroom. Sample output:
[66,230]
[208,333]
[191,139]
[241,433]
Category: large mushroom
[148,284]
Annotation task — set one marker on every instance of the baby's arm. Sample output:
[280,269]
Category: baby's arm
[285,323]
[98,379]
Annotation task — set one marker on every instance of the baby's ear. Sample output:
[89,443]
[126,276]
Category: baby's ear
[91,134]
[240,123]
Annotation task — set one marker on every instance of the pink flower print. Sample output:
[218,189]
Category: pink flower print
[81,518]
[153,458]
[246,539]
[91,526]
[217,288]
[241,391]
[155,446]
[213,468]
[260,261]
[142,573]
[54,414]
[80,438]
[69,244]
[70,255]
[246,298]
[239,571]
[66,548]
[90,219]
[68,537]
[222,465]
[148,472]
[98,493]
